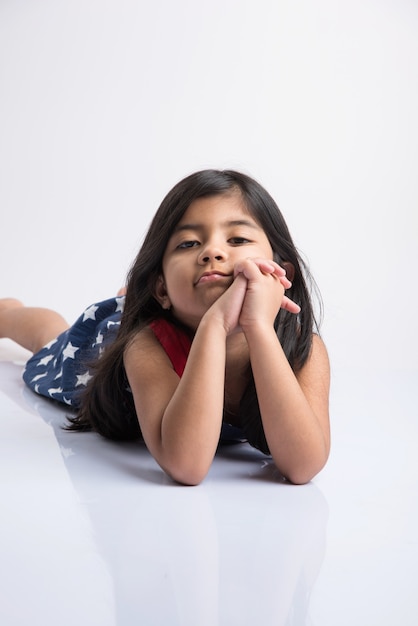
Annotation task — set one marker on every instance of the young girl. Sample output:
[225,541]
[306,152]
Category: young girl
[205,339]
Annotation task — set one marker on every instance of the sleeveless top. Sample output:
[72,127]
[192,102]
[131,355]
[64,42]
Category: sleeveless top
[175,342]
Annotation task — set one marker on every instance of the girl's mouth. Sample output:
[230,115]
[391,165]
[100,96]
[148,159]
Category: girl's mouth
[211,277]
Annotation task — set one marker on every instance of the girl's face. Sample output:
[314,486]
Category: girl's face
[198,264]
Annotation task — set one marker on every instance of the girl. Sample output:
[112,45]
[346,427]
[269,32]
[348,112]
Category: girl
[207,339]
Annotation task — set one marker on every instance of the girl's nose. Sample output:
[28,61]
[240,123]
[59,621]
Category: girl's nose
[211,252]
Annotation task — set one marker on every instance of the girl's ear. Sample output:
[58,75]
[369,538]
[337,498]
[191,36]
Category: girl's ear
[160,293]
[290,269]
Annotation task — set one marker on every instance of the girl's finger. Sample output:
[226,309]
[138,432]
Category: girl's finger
[264,265]
[285,282]
[290,306]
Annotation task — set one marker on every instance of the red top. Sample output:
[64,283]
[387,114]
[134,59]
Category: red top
[175,342]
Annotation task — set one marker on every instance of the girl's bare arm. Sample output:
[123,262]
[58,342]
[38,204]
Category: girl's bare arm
[294,408]
[180,419]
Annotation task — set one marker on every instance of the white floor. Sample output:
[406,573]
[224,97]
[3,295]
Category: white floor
[94,533]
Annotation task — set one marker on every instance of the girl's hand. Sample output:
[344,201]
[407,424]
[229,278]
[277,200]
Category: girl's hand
[266,284]
[227,308]
[257,282]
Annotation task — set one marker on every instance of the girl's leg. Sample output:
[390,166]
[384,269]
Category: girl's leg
[30,327]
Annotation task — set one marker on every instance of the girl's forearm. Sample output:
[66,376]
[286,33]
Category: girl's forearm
[296,436]
[192,421]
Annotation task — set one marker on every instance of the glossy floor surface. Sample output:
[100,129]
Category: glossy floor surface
[94,533]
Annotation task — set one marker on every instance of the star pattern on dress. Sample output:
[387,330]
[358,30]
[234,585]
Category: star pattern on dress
[53,390]
[59,369]
[69,351]
[120,301]
[90,313]
[83,379]
[45,360]
[38,377]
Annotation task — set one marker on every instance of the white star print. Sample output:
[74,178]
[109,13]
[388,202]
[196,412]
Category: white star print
[120,304]
[35,378]
[83,379]
[69,351]
[53,390]
[90,313]
[67,400]
[59,375]
[99,338]
[45,360]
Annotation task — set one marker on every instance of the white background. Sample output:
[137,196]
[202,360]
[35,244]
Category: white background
[105,105]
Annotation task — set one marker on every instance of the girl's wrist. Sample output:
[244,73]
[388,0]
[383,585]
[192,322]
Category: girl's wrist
[214,325]
[258,329]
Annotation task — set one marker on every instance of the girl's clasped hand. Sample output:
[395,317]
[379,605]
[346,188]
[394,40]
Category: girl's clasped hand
[262,277]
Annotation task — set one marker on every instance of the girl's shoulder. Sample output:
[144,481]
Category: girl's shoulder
[318,345]
[317,365]
[160,339]
[143,340]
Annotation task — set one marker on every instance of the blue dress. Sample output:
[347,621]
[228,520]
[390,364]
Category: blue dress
[61,369]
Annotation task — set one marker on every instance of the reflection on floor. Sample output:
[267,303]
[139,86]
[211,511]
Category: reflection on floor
[95,533]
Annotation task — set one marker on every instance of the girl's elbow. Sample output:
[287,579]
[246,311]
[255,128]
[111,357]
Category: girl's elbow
[299,478]
[302,474]
[180,465]
[187,474]
[187,479]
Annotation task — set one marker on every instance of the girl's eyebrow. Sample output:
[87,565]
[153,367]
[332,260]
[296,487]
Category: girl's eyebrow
[241,222]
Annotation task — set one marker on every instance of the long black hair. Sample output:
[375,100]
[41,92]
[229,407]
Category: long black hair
[107,405]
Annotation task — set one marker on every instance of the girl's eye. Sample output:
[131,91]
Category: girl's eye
[187,244]
[238,240]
